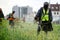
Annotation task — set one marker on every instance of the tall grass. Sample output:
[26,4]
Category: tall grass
[27,31]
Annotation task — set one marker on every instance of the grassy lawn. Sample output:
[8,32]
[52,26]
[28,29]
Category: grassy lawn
[27,31]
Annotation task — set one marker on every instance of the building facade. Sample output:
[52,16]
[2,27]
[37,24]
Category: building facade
[17,11]
[55,8]
[23,12]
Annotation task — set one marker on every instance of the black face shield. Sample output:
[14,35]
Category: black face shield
[46,4]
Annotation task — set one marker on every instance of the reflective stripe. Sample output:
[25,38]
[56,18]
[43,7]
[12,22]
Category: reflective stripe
[46,12]
[45,17]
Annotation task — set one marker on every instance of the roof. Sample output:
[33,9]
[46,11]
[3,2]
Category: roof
[55,7]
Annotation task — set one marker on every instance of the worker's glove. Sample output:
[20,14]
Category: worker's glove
[36,18]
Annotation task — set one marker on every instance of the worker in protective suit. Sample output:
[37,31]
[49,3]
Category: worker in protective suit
[1,15]
[44,17]
[11,19]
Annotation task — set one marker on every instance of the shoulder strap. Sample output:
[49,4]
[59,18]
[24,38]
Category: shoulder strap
[46,12]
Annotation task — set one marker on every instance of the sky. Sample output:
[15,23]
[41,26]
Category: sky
[7,5]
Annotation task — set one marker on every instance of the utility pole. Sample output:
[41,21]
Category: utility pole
[49,3]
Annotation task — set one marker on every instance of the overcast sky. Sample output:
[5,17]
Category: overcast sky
[7,5]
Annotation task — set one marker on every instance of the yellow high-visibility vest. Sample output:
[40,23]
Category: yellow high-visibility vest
[45,16]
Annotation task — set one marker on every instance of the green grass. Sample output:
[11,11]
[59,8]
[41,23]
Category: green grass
[27,31]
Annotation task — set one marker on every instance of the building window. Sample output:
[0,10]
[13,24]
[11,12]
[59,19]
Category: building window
[57,13]
[54,13]
[56,7]
[52,7]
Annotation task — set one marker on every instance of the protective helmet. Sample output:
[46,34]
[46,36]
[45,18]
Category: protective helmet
[46,4]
